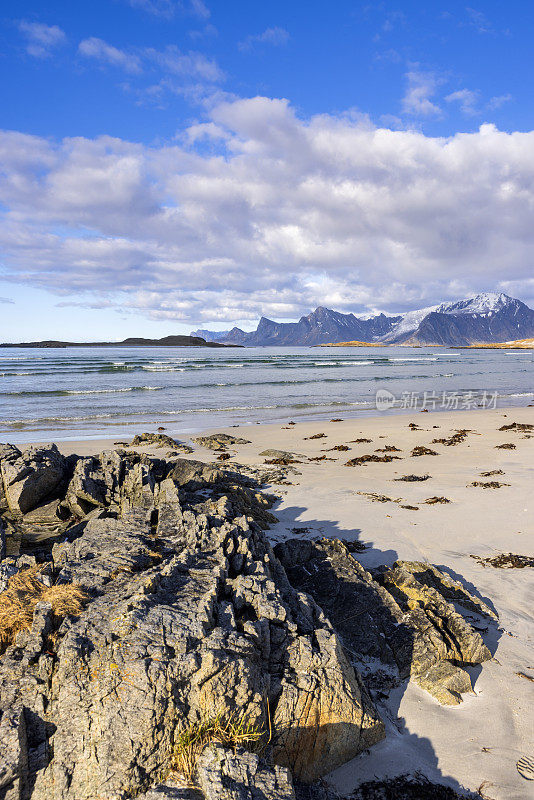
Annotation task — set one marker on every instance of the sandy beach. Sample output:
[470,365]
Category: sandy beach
[475,745]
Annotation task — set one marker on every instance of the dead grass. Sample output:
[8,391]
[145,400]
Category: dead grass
[24,590]
[235,731]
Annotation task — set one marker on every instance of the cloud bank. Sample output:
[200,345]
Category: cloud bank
[256,210]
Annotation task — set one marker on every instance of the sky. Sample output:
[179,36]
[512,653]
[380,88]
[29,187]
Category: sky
[167,165]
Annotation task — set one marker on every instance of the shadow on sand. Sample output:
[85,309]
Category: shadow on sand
[373,638]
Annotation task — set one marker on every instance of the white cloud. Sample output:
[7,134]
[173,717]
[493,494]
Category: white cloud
[106,53]
[466,99]
[276,37]
[422,86]
[171,62]
[168,8]
[283,215]
[41,40]
[479,21]
[499,100]
[191,64]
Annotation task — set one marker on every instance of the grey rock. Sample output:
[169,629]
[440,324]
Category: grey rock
[240,775]
[160,440]
[285,454]
[219,441]
[170,790]
[13,754]
[399,617]
[2,540]
[30,476]
[189,614]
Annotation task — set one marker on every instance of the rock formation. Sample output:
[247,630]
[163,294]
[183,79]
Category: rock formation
[187,615]
[399,617]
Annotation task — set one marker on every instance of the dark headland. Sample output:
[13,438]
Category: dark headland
[133,341]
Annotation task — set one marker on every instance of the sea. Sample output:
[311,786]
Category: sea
[90,393]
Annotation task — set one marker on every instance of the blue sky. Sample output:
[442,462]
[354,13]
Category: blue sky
[170,165]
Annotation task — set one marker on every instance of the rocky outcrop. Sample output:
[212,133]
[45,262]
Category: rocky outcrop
[399,617]
[219,441]
[189,614]
[160,440]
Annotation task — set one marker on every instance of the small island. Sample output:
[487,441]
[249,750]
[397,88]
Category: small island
[133,341]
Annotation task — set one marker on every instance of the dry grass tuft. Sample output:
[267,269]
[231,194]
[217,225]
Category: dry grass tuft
[24,590]
[235,731]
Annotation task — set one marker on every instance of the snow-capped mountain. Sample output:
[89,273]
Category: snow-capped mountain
[486,318]
[485,303]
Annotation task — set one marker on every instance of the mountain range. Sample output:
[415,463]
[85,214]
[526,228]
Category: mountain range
[486,318]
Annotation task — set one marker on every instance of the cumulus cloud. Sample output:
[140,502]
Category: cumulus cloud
[105,53]
[271,36]
[41,40]
[281,215]
[421,88]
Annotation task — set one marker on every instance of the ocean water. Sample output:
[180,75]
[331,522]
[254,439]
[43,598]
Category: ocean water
[87,393]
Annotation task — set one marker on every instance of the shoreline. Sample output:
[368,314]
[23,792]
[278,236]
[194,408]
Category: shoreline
[368,417]
[27,436]
[481,739]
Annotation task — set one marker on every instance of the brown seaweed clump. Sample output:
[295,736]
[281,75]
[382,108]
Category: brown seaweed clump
[517,426]
[506,561]
[488,484]
[420,450]
[413,478]
[357,462]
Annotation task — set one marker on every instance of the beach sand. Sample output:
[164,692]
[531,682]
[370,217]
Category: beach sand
[478,743]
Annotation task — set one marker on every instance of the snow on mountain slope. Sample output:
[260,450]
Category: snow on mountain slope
[409,322]
[484,303]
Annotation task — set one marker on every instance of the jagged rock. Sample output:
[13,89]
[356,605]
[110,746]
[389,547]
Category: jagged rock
[225,775]
[30,476]
[2,540]
[219,441]
[193,475]
[189,614]
[399,616]
[13,753]
[170,790]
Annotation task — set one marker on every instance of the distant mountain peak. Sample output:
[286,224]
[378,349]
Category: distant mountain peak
[483,303]
[484,318]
